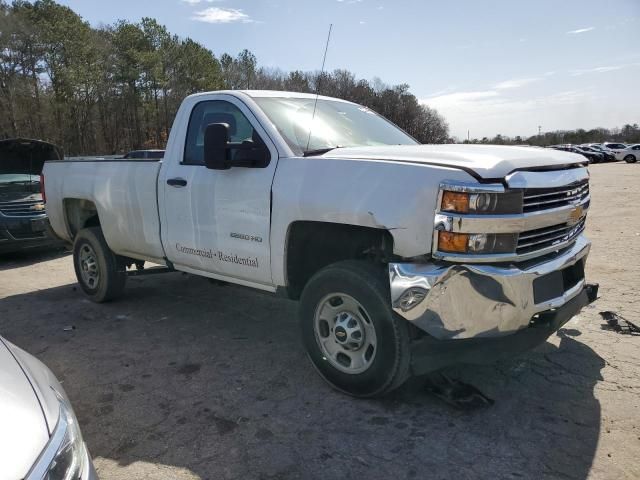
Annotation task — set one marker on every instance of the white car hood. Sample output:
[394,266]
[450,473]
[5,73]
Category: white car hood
[23,429]
[484,161]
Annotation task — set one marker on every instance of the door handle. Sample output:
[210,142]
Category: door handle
[177,182]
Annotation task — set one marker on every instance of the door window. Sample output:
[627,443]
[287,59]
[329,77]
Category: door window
[215,111]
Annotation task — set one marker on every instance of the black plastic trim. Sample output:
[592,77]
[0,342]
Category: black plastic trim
[429,354]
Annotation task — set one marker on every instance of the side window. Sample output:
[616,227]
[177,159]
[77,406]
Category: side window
[214,111]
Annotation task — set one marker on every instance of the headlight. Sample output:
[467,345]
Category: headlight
[67,462]
[481,203]
[464,204]
[62,458]
[455,202]
[477,243]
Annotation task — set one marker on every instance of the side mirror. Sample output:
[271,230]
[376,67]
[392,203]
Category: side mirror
[251,154]
[216,139]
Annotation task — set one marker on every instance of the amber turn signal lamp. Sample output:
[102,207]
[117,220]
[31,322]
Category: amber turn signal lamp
[453,242]
[455,202]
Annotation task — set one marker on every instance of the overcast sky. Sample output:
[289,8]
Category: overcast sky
[502,66]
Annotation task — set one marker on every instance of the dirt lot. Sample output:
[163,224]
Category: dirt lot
[182,379]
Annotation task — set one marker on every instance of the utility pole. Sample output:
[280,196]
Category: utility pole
[539,130]
[467,135]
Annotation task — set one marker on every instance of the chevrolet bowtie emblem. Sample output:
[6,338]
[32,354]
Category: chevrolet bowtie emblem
[576,215]
[38,207]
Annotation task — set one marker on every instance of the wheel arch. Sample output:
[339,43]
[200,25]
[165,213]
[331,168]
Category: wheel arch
[313,245]
[80,213]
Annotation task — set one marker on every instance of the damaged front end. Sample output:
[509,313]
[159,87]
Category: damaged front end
[477,304]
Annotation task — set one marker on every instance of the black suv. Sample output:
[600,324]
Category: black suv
[23,221]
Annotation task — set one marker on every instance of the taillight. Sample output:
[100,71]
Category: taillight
[44,196]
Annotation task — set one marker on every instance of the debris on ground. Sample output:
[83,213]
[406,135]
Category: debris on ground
[68,328]
[456,393]
[619,324]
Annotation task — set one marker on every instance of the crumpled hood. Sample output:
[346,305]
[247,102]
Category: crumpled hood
[24,432]
[484,161]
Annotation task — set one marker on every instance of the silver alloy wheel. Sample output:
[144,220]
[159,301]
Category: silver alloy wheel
[345,333]
[89,266]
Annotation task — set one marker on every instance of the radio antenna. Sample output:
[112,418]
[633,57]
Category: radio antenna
[315,103]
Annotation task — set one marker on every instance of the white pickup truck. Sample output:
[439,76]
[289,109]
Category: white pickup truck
[406,258]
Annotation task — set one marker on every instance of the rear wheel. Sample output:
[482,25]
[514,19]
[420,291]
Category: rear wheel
[630,158]
[99,271]
[352,336]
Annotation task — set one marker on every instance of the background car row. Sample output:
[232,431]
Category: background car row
[604,152]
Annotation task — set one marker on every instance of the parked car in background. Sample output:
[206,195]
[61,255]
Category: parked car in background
[631,154]
[608,156]
[23,221]
[40,437]
[591,156]
[601,148]
[142,154]
[597,146]
[614,147]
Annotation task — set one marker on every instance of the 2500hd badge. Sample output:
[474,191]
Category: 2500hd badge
[244,236]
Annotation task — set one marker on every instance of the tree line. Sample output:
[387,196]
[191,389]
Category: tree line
[116,88]
[627,134]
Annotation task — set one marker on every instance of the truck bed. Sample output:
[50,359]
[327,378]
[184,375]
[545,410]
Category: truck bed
[124,193]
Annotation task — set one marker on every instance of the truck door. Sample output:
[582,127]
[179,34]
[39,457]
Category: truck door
[218,221]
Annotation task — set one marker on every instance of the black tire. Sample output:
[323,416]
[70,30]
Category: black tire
[630,159]
[369,286]
[111,277]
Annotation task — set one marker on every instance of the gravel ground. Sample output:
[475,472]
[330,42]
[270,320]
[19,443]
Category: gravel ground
[183,379]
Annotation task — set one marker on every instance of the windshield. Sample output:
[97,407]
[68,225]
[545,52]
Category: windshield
[18,178]
[19,182]
[335,124]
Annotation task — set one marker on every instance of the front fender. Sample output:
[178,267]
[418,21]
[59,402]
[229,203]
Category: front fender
[397,197]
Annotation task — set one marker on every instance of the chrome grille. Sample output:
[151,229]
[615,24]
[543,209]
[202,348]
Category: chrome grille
[536,199]
[543,238]
[22,209]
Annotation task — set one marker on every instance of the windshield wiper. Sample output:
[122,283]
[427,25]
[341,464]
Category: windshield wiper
[318,151]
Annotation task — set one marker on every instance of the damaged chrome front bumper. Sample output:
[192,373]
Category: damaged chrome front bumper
[461,301]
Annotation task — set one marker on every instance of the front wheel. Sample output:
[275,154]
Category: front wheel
[98,270]
[352,336]
[630,159]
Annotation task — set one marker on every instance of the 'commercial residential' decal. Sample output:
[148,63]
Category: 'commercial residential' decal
[223,257]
